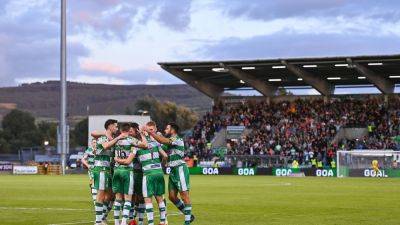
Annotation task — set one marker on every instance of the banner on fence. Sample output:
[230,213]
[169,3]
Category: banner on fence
[25,170]
[6,167]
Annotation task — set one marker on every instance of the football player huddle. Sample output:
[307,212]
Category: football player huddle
[125,166]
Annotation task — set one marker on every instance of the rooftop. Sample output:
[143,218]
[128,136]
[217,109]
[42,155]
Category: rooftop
[267,75]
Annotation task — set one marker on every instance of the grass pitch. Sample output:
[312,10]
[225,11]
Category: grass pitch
[217,200]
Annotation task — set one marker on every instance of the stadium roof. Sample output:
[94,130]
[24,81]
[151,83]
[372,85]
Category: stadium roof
[267,75]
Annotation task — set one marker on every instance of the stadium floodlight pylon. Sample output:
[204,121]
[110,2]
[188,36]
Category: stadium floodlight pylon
[63,86]
[368,163]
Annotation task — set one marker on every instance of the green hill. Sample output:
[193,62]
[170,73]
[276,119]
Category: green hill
[42,99]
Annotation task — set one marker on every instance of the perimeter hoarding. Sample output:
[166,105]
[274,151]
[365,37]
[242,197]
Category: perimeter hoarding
[250,171]
[373,173]
[25,170]
[287,172]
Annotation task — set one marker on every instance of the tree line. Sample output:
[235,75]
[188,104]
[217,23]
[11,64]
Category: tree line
[20,129]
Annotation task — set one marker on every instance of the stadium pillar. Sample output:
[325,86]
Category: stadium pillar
[63,87]
[382,83]
[321,85]
[260,85]
[211,90]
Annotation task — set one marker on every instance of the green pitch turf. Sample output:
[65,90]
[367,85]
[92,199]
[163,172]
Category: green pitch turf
[216,200]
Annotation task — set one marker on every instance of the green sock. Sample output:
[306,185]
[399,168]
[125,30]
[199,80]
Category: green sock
[188,213]
[117,211]
[150,214]
[99,212]
[179,204]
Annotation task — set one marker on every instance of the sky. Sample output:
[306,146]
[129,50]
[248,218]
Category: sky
[121,41]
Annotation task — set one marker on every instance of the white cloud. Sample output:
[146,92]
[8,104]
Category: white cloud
[128,37]
[100,80]
[25,80]
[153,82]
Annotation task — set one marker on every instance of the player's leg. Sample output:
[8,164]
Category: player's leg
[179,183]
[109,198]
[141,210]
[173,190]
[188,206]
[126,209]
[162,208]
[149,211]
[94,194]
[173,197]
[147,194]
[108,205]
[99,206]
[100,185]
[93,190]
[159,191]
[183,188]
[128,192]
[173,193]
[166,213]
[117,207]
[138,181]
[119,201]
[133,212]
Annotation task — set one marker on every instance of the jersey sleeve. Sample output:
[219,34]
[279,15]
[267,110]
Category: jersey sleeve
[176,141]
[135,142]
[153,144]
[100,141]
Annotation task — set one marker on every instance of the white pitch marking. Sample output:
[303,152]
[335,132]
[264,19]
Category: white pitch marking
[279,184]
[60,209]
[85,222]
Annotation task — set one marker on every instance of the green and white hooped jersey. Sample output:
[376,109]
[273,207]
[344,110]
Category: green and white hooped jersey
[175,151]
[102,158]
[150,158]
[123,148]
[89,155]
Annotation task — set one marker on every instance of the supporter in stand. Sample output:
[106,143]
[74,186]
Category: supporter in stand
[302,129]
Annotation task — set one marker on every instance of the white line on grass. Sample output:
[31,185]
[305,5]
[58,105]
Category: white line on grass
[71,209]
[55,209]
[279,184]
[85,222]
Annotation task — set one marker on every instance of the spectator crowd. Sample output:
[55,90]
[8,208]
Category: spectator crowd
[300,130]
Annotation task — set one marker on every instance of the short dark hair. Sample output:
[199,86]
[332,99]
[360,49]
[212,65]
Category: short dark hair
[109,122]
[134,125]
[125,127]
[174,126]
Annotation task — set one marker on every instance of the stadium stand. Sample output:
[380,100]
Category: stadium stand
[301,129]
